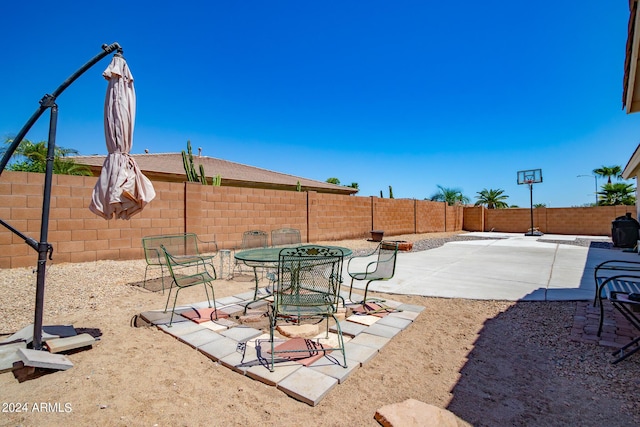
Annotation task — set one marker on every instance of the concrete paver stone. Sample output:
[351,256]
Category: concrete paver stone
[368,340]
[366,319]
[359,353]
[182,328]
[281,371]
[333,369]
[241,334]
[199,338]
[43,359]
[307,385]
[219,349]
[383,331]
[349,328]
[395,322]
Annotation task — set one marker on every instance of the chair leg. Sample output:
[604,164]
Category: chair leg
[350,289]
[173,310]
[340,341]
[272,325]
[213,296]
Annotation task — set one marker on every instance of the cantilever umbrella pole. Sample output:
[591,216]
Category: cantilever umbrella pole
[43,247]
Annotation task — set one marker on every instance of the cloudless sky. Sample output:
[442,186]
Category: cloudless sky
[412,94]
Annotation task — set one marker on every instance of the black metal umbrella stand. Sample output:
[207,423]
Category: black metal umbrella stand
[44,248]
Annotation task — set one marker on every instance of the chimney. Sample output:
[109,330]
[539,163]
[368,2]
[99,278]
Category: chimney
[199,151]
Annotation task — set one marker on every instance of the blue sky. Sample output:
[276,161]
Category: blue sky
[412,94]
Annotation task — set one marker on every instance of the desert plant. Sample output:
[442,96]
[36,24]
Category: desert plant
[617,193]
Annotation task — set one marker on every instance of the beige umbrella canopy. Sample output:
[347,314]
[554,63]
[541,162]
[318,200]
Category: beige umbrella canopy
[122,190]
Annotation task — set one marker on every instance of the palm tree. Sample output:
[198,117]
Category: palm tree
[450,195]
[32,157]
[608,172]
[617,193]
[492,199]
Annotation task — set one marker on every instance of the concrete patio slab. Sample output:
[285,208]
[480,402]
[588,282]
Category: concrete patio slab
[161,318]
[407,315]
[359,353]
[395,322]
[369,340]
[307,385]
[182,328]
[219,349]
[199,338]
[264,375]
[366,319]
[349,328]
[382,331]
[241,333]
[234,299]
[502,266]
[334,370]
[241,359]
[215,327]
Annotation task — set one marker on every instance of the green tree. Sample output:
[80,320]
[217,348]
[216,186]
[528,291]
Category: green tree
[618,193]
[32,157]
[608,172]
[539,205]
[354,185]
[335,181]
[492,199]
[450,195]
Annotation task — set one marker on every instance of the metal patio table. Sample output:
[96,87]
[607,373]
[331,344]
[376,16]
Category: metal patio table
[268,257]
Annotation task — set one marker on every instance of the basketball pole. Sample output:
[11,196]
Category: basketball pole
[530,233]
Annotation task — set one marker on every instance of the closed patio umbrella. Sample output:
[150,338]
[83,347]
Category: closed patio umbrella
[122,190]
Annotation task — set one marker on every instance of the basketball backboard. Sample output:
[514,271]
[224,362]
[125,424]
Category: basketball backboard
[532,176]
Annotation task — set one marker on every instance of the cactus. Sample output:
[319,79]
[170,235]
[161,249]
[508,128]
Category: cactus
[390,192]
[203,178]
[298,187]
[190,169]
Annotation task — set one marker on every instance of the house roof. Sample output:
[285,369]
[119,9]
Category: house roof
[170,167]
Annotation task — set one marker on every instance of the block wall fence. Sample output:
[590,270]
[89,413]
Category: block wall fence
[214,213]
[592,221]
[224,213]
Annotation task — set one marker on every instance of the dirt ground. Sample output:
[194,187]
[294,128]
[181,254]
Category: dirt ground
[492,363]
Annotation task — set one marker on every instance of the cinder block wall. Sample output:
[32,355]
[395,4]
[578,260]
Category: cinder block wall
[335,217]
[393,216]
[595,221]
[220,213]
[224,213]
[430,216]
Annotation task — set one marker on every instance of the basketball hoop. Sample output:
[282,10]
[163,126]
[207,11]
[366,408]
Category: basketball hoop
[530,177]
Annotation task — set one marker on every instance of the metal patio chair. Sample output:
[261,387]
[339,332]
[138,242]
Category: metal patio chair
[186,247]
[375,266]
[251,239]
[307,289]
[185,275]
[285,236]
